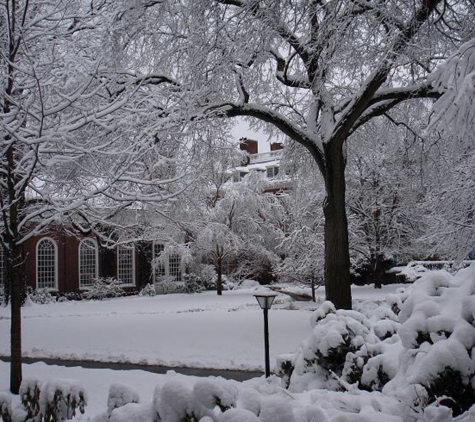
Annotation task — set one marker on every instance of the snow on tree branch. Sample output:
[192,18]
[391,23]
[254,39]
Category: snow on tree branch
[454,112]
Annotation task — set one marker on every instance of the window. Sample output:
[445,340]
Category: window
[169,265]
[126,264]
[158,265]
[88,259]
[46,264]
[174,266]
[272,172]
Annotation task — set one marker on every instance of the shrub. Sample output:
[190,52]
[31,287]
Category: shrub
[63,297]
[167,284]
[148,290]
[120,395]
[41,296]
[55,401]
[5,407]
[193,283]
[104,288]
[60,399]
[30,397]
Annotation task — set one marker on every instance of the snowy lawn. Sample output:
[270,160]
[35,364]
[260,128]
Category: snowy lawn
[408,359]
[196,330]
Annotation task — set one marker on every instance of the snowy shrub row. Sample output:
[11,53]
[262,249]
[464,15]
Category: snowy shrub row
[52,401]
[419,346]
[104,288]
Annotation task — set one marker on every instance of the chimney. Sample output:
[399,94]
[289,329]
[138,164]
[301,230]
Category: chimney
[275,146]
[249,145]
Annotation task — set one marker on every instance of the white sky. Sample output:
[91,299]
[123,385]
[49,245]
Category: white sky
[242,130]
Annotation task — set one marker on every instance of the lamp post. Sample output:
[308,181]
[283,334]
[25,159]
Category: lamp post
[265,302]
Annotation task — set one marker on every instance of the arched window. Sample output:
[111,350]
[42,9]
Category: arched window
[46,264]
[88,260]
[126,264]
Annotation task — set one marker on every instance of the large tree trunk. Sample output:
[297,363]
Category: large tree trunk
[16,279]
[337,256]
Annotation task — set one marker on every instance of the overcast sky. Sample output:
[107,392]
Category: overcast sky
[242,130]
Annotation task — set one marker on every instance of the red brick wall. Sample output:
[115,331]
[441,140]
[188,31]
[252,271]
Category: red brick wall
[68,261]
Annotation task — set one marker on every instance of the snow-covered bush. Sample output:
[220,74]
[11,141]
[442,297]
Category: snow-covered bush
[148,290]
[193,283]
[5,407]
[30,396]
[104,288]
[166,284]
[418,347]
[209,277]
[60,400]
[178,400]
[41,296]
[120,395]
[55,400]
[66,296]
[438,337]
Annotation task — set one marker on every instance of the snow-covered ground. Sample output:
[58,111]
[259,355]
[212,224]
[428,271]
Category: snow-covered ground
[200,330]
[409,358]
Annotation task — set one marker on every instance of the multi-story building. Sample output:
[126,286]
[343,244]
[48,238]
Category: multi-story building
[268,162]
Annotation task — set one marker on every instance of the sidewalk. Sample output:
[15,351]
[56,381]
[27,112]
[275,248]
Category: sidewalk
[198,372]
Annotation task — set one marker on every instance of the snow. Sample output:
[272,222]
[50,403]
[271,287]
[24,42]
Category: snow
[201,330]
[379,339]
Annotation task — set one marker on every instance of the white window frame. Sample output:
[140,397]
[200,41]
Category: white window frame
[55,248]
[275,171]
[96,257]
[132,249]
[165,263]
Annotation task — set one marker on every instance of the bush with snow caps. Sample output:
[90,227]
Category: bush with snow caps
[60,400]
[5,408]
[438,337]
[120,395]
[41,297]
[104,288]
[30,396]
[193,283]
[53,401]
[179,401]
[148,290]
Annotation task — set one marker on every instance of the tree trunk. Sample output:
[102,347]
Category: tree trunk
[219,283]
[314,299]
[378,270]
[16,279]
[337,256]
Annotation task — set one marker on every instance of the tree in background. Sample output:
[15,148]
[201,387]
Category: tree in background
[238,230]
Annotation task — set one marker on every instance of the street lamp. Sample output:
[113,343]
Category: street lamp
[265,302]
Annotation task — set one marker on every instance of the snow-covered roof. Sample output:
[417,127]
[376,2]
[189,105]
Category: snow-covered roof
[266,157]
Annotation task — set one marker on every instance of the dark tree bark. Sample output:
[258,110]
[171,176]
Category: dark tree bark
[15,272]
[219,271]
[337,256]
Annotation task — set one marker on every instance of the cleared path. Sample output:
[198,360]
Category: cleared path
[156,369]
